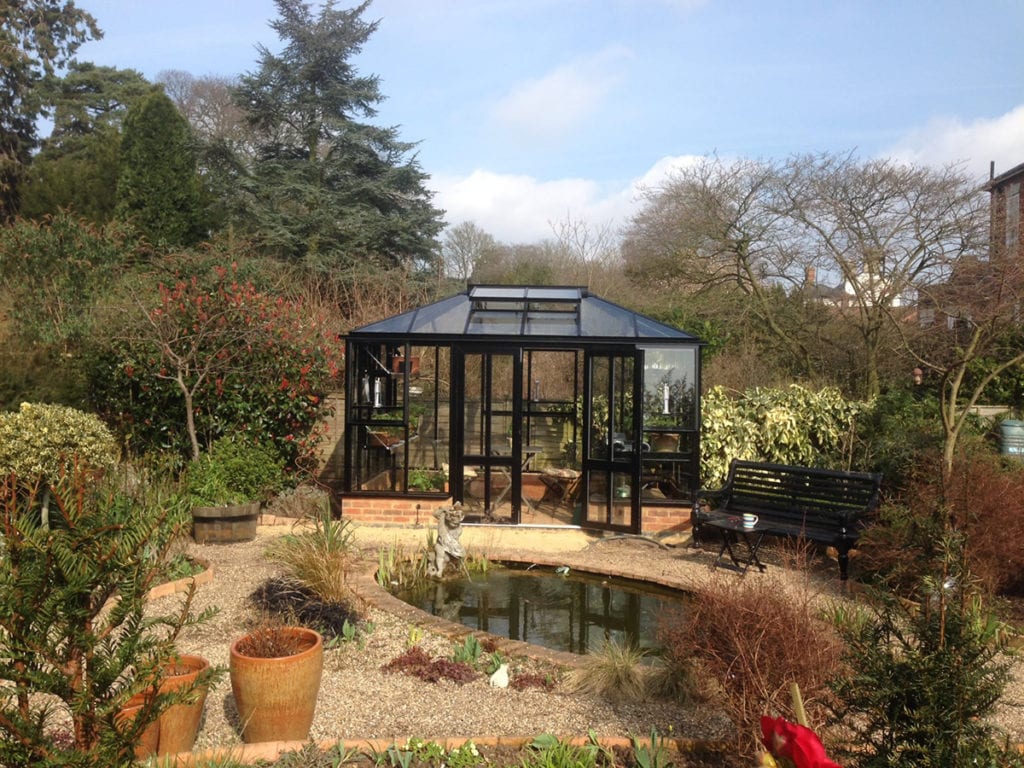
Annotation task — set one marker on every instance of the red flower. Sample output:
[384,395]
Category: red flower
[795,742]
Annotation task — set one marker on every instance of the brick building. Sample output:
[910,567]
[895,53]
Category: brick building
[1006,207]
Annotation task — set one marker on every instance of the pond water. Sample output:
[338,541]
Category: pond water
[573,611]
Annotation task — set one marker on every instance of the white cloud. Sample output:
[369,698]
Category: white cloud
[552,106]
[976,144]
[513,208]
[523,209]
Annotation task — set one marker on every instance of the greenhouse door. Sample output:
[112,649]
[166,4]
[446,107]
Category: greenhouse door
[489,457]
[611,464]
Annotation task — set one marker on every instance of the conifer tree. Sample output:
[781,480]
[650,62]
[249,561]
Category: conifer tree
[158,188]
[321,186]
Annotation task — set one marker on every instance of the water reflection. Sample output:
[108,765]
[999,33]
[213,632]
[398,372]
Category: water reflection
[574,612]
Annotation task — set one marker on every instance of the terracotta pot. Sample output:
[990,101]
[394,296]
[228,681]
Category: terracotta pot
[179,724]
[149,739]
[276,696]
[665,442]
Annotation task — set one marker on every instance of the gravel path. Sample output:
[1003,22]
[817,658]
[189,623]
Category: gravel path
[358,701]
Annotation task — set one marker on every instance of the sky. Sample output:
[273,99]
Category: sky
[528,114]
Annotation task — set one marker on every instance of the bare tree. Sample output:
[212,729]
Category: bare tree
[971,317]
[878,229]
[715,227]
[207,104]
[887,230]
[590,252]
[464,247]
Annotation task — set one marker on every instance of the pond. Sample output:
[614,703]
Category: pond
[571,611]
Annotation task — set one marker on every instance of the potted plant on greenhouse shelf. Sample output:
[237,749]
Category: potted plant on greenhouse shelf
[657,431]
[428,480]
[275,679]
[227,486]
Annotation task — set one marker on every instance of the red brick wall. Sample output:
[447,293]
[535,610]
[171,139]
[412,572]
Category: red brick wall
[399,511]
[391,511]
[659,519]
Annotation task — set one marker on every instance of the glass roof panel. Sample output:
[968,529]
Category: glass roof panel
[605,319]
[497,292]
[648,328]
[554,294]
[495,323]
[441,317]
[547,324]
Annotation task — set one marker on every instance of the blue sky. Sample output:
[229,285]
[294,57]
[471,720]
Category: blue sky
[533,112]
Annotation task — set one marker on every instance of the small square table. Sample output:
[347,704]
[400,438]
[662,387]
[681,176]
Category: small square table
[733,531]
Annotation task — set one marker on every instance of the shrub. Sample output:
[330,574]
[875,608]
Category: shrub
[212,354]
[923,679]
[753,638]
[68,650]
[988,506]
[789,426]
[985,504]
[44,441]
[234,471]
[894,432]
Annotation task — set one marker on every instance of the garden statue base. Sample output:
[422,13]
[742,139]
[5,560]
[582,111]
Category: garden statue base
[448,544]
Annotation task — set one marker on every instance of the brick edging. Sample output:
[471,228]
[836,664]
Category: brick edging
[184,584]
[272,750]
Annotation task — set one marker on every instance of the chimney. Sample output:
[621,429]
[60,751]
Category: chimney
[810,276]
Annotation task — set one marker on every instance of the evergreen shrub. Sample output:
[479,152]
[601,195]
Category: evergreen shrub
[76,638]
[41,441]
[234,471]
[923,678]
[794,425]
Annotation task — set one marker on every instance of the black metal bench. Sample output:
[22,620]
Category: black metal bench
[822,505]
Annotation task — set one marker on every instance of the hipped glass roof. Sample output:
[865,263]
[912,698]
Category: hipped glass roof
[496,311]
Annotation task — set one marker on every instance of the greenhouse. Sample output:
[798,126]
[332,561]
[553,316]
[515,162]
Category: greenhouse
[528,406]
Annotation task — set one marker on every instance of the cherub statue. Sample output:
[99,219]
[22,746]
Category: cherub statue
[447,544]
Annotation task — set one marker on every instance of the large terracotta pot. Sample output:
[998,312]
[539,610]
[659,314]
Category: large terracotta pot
[276,696]
[179,723]
[148,741]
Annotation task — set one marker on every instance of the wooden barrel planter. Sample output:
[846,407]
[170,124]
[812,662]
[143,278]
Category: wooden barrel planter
[226,524]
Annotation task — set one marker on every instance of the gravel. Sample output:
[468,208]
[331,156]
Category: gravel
[359,701]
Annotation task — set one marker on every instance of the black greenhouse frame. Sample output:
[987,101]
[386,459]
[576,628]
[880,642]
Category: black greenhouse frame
[527,404]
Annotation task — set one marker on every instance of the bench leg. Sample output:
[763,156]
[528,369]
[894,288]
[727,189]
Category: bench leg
[696,532]
[844,563]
